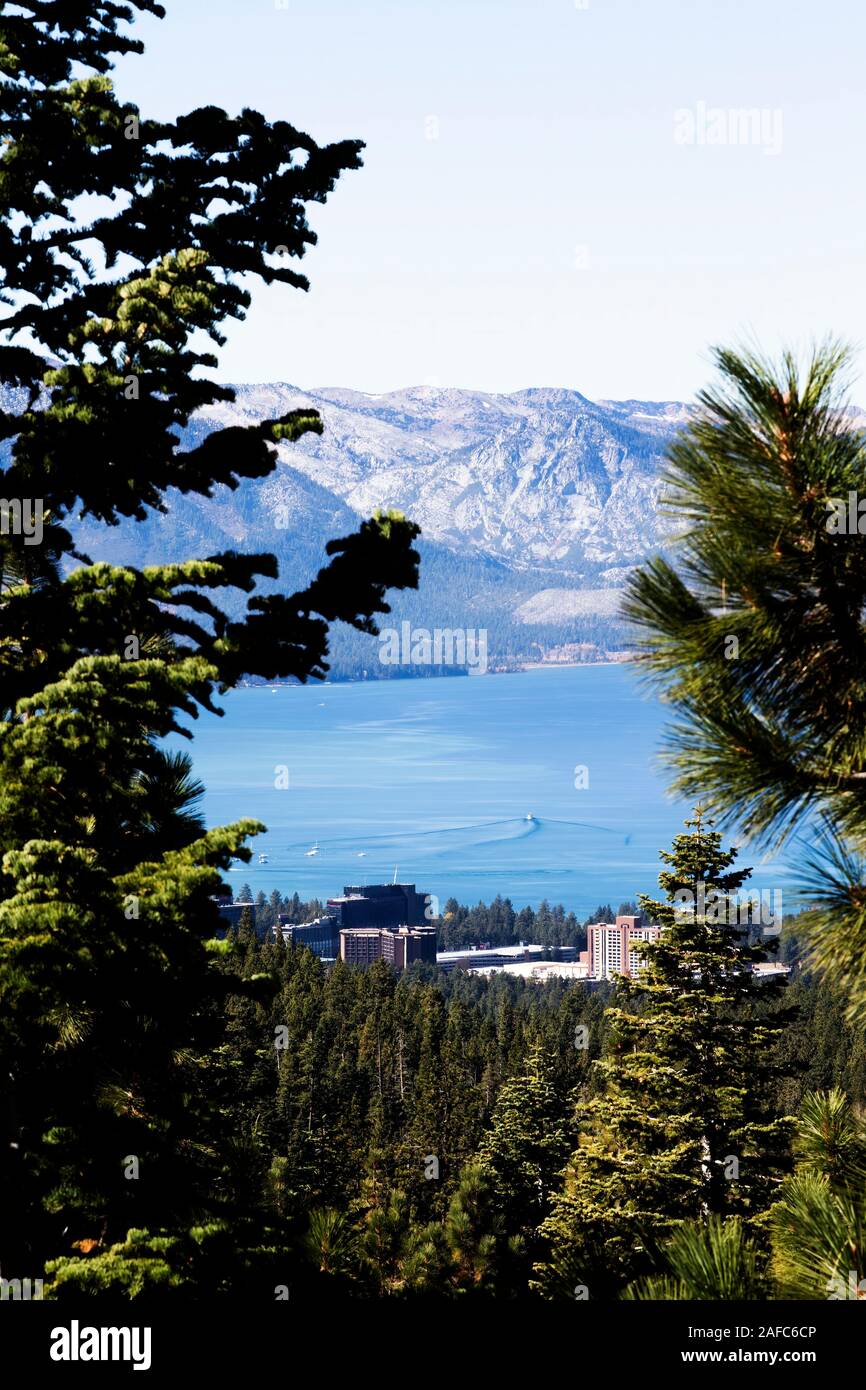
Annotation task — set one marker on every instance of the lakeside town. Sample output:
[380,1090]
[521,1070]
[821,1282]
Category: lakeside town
[395,923]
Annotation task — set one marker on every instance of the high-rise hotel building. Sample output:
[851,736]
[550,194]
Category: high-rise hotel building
[610,948]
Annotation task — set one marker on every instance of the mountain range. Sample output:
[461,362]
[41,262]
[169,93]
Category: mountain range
[537,479]
[534,506]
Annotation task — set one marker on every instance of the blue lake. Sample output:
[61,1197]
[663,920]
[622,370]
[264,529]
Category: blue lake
[436,778]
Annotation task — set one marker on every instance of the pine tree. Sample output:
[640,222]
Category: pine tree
[112,979]
[484,1258]
[628,909]
[400,1254]
[330,1242]
[683,1125]
[707,1261]
[526,1146]
[246,926]
[755,628]
[819,1223]
[603,913]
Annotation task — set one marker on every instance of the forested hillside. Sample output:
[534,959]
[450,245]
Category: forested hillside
[336,1097]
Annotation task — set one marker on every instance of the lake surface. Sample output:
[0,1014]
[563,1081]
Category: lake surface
[436,778]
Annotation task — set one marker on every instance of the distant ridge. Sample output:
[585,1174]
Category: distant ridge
[534,506]
[541,477]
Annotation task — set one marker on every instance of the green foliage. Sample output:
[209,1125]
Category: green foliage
[819,1224]
[330,1242]
[322,1144]
[111,990]
[184,1116]
[757,632]
[484,1258]
[140,1265]
[215,1259]
[497,924]
[706,1261]
[526,1146]
[683,1123]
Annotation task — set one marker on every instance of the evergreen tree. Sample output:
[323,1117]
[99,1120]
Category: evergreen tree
[111,975]
[246,926]
[330,1242]
[525,924]
[401,1255]
[683,1125]
[819,1223]
[484,1258]
[603,913]
[707,1261]
[526,1146]
[755,629]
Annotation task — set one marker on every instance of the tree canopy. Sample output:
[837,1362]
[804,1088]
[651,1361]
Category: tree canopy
[756,628]
[126,246]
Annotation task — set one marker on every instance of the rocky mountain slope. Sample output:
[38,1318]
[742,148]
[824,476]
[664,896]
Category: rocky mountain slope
[538,479]
[533,505]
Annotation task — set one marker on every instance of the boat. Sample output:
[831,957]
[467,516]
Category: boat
[263,859]
[362,854]
[314,850]
[529,816]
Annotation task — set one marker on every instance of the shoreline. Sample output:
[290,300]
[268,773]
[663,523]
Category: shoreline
[443,675]
[567,665]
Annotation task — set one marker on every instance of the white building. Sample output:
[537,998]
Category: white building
[470,958]
[537,971]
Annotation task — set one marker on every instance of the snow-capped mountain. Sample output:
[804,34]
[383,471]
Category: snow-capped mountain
[537,479]
[533,506]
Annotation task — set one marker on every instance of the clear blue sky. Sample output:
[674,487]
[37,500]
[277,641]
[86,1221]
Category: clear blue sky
[555,233]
